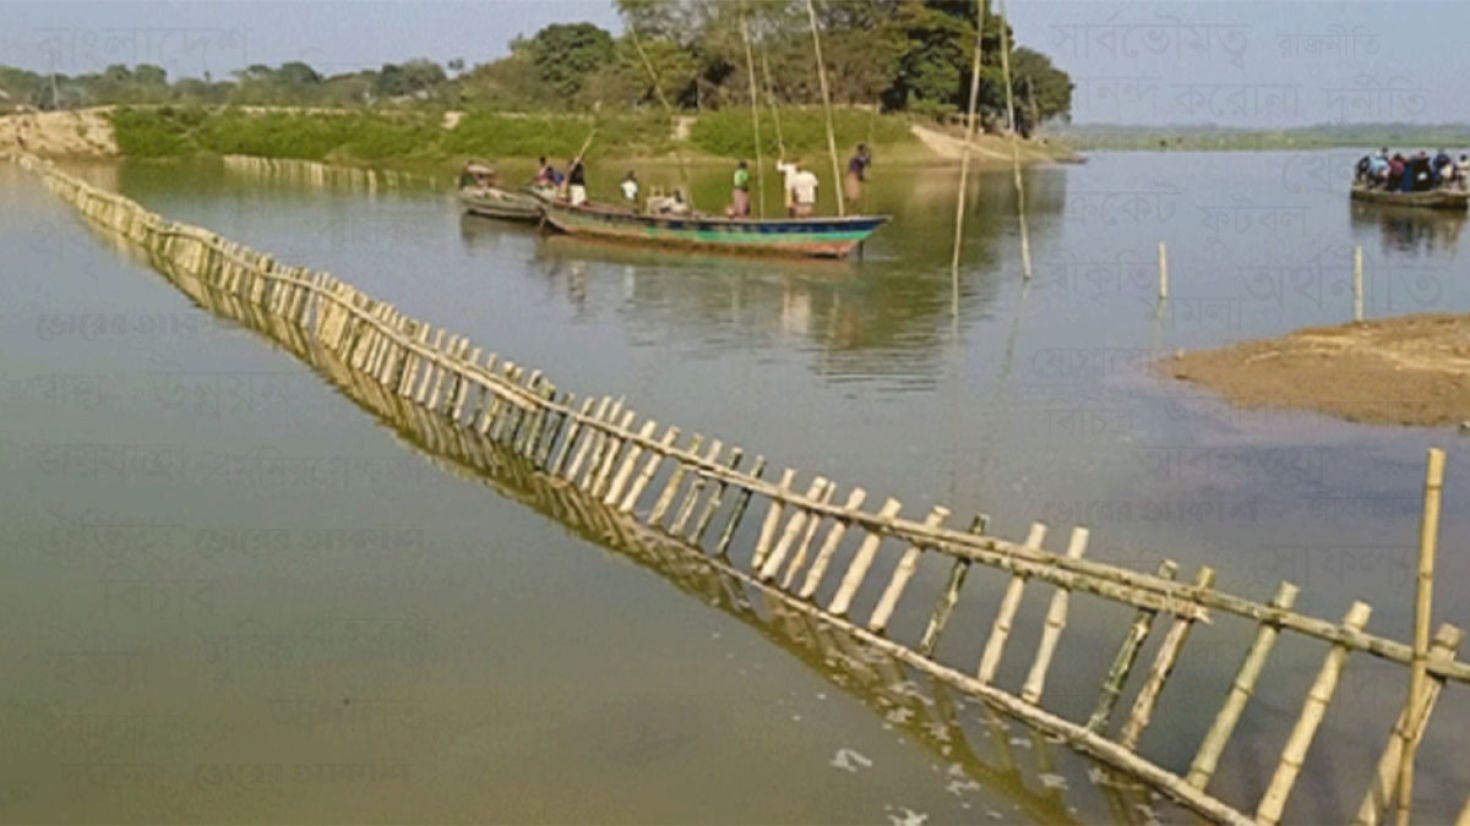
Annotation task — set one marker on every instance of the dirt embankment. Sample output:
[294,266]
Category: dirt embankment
[84,133]
[989,149]
[1412,370]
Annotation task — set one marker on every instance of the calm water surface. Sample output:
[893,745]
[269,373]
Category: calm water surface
[359,635]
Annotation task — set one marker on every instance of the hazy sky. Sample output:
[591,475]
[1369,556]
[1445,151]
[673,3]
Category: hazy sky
[1236,63]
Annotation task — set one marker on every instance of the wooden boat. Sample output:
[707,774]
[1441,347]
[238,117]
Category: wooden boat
[814,237]
[481,194]
[1429,199]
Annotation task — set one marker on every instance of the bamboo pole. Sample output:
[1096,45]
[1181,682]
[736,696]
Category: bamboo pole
[1000,630]
[829,545]
[804,547]
[650,467]
[811,12]
[1358,283]
[1241,690]
[1463,819]
[696,488]
[1423,599]
[944,608]
[959,207]
[772,562]
[771,101]
[615,490]
[658,91]
[1380,793]
[712,505]
[1163,666]
[755,113]
[1163,272]
[671,488]
[1005,69]
[1273,802]
[1056,622]
[861,562]
[737,512]
[773,519]
[907,565]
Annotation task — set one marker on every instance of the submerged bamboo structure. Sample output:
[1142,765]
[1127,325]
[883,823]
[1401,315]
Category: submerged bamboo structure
[630,476]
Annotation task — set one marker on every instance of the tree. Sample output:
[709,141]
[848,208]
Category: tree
[1041,85]
[563,55]
[417,77]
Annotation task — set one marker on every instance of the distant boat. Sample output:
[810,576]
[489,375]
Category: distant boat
[481,194]
[1428,199]
[813,237]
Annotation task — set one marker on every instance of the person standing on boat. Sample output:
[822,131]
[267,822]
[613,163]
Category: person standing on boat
[804,187]
[857,175]
[788,176]
[630,189]
[577,182]
[740,192]
[543,172]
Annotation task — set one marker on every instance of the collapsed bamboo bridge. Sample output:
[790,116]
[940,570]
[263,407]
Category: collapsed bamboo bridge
[693,496]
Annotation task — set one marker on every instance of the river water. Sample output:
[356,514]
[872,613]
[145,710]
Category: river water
[367,637]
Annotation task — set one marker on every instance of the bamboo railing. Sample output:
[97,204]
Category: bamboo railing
[697,497]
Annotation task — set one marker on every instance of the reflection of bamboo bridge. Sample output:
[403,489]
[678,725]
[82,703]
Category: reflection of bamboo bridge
[466,406]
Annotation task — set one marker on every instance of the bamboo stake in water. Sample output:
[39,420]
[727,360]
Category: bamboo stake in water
[951,596]
[862,561]
[829,546]
[1163,666]
[1163,272]
[1358,283]
[1423,598]
[773,519]
[1385,781]
[1123,661]
[811,13]
[1056,622]
[907,565]
[1273,802]
[772,562]
[1208,756]
[1009,604]
[1005,70]
[959,208]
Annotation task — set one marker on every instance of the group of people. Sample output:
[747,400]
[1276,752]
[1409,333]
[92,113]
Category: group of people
[572,185]
[1418,172]
[799,184]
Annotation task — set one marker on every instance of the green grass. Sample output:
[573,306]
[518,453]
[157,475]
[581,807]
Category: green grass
[417,136]
[729,132]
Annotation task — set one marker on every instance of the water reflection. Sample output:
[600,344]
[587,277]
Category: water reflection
[1427,233]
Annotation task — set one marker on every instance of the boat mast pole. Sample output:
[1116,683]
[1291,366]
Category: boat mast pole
[959,209]
[771,100]
[658,91]
[755,112]
[811,13]
[1005,68]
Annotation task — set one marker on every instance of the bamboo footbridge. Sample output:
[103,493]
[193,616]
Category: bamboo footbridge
[650,488]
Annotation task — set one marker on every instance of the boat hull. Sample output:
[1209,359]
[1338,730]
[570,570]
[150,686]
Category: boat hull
[813,237]
[1433,199]
[492,202]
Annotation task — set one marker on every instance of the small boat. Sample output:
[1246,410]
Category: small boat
[1455,199]
[481,194]
[814,237]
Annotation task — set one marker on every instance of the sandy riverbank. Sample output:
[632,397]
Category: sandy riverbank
[83,133]
[1411,370]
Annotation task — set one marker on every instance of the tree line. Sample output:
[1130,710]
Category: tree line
[900,55]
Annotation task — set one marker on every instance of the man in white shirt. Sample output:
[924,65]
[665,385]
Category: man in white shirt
[804,192]
[788,176]
[630,188]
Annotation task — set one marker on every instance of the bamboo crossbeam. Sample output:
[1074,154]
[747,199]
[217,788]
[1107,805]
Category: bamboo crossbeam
[1241,690]
[1000,629]
[1273,802]
[1056,622]
[1385,780]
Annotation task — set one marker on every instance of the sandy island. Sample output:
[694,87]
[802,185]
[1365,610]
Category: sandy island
[1413,370]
